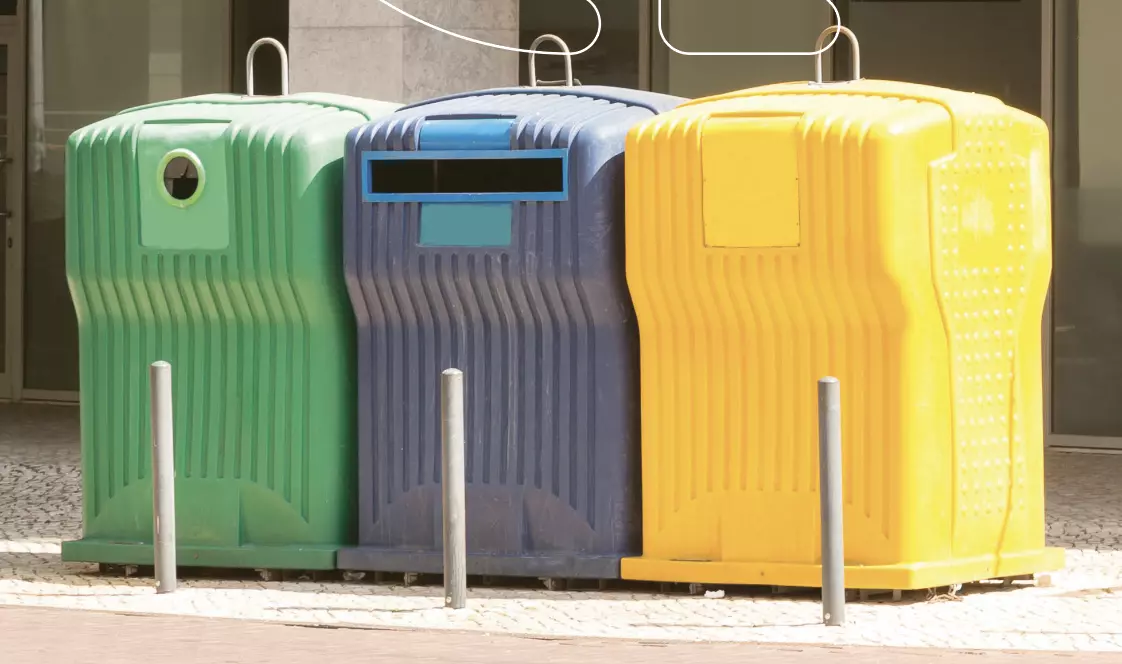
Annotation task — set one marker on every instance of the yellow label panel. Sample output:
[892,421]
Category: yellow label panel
[750,175]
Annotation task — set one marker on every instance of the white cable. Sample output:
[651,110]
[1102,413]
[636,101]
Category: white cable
[599,27]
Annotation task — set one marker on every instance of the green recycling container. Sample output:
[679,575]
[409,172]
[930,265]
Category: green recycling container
[207,232]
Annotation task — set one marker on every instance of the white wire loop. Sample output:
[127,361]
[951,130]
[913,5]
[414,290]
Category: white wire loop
[529,51]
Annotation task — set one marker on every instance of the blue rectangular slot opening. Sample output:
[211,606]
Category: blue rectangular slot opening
[465,176]
[466,224]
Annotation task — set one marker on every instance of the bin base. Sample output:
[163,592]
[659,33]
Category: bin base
[874,577]
[372,559]
[294,557]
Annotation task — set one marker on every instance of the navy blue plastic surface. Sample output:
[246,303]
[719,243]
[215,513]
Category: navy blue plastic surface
[543,329]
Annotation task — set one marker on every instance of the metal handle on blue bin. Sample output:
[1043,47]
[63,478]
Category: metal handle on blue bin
[854,50]
[564,51]
[249,64]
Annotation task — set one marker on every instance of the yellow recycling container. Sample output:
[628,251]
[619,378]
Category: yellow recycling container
[893,235]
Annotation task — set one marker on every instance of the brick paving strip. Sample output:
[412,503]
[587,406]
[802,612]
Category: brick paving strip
[62,636]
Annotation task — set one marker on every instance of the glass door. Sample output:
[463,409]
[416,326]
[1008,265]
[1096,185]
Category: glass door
[1086,341]
[80,70]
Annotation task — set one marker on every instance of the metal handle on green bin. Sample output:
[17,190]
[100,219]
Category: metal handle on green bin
[564,51]
[249,64]
[854,50]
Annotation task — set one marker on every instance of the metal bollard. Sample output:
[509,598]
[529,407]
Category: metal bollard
[455,537]
[163,477]
[830,490]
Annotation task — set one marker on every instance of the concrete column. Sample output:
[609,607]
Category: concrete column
[362,48]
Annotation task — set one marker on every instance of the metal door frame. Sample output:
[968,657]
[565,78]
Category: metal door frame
[11,35]
[1048,110]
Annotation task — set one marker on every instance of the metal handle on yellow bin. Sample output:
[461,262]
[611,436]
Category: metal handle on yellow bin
[564,51]
[854,50]
[249,64]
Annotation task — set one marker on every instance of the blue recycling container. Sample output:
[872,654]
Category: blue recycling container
[484,232]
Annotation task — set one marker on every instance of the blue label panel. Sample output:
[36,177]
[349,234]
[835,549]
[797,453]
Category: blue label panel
[466,224]
[466,134]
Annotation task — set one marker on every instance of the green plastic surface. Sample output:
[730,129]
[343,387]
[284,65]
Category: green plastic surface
[242,291]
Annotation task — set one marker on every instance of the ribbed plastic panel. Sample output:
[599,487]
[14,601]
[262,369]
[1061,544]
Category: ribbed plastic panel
[544,331]
[916,275]
[258,332]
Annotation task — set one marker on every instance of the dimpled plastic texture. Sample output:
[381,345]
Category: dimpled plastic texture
[893,235]
[242,291]
[539,321]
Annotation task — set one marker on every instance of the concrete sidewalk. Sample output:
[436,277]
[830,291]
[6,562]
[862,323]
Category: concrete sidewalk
[60,636]
[41,506]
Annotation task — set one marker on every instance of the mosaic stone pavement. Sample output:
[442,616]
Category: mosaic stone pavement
[40,506]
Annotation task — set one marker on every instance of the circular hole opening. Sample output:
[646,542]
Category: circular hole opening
[181,178]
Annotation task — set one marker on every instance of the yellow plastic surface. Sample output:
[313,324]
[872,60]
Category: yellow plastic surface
[917,278]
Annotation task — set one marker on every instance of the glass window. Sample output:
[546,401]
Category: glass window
[252,20]
[735,25]
[1087,222]
[89,59]
[614,60]
[987,47]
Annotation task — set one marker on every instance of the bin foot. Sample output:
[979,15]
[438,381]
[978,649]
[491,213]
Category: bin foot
[110,569]
[945,593]
[410,579]
[697,589]
[268,575]
[897,595]
[295,575]
[1010,580]
[554,585]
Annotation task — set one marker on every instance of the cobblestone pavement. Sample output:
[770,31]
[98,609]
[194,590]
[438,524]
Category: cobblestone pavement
[1082,610]
[51,636]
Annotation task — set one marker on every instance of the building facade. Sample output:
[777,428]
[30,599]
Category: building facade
[66,63]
